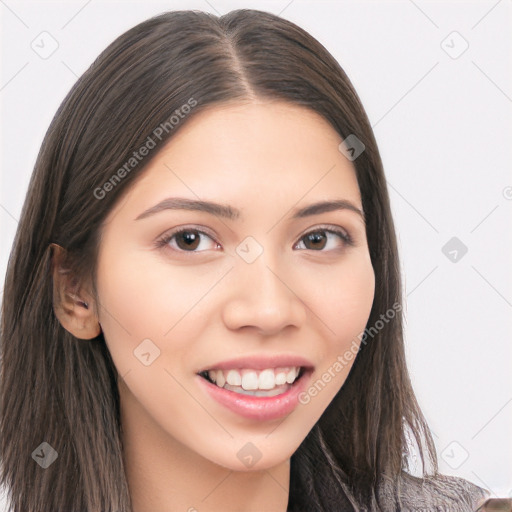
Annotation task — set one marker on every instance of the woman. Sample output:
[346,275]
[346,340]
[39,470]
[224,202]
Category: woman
[202,306]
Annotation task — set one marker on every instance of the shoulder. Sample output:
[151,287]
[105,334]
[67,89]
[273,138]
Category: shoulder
[439,493]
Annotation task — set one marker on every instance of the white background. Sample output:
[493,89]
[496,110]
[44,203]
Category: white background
[443,126]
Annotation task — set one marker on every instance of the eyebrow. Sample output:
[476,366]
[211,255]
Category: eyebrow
[228,212]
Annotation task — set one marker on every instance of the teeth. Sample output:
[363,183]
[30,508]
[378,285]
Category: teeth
[252,381]
[280,378]
[290,376]
[220,380]
[259,392]
[249,380]
[234,378]
[267,379]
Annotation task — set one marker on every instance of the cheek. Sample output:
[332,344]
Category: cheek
[342,298]
[343,306]
[136,304]
[136,291]
[146,298]
[356,294]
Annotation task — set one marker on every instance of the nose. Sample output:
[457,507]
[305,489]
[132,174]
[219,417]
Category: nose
[263,298]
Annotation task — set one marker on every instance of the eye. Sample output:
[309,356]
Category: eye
[188,240]
[195,240]
[322,239]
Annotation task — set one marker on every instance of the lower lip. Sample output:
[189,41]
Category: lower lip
[261,408]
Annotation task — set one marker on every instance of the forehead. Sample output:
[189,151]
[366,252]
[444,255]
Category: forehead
[257,153]
[257,130]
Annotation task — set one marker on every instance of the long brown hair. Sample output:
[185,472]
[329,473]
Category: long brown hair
[63,391]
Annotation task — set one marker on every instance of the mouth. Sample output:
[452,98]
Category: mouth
[259,389]
[268,382]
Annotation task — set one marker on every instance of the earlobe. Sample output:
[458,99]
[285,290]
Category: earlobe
[72,306]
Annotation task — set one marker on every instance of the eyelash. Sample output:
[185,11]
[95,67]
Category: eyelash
[165,239]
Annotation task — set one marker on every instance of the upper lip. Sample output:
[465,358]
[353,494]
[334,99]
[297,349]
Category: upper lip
[260,362]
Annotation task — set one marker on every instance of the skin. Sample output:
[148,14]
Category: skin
[265,159]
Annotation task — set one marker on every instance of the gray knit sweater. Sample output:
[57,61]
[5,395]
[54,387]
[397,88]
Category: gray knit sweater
[433,494]
[439,494]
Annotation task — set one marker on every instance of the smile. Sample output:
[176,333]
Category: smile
[257,387]
[263,383]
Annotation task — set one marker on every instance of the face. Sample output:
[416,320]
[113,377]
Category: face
[261,296]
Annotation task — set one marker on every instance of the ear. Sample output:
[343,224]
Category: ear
[73,306]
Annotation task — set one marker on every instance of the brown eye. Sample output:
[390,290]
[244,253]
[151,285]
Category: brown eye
[324,240]
[315,240]
[188,240]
